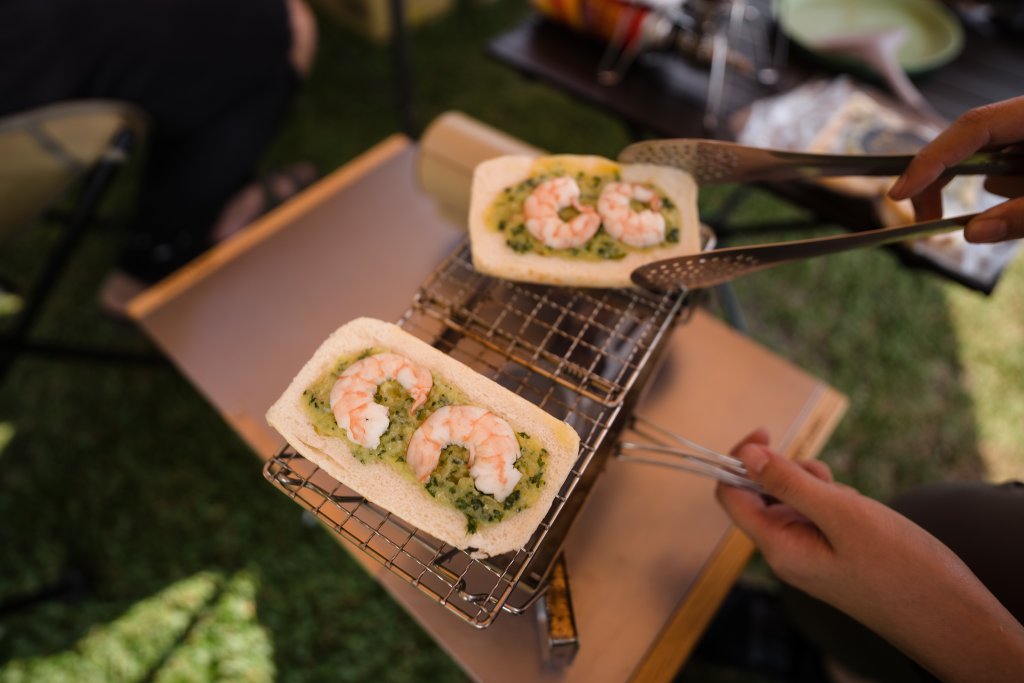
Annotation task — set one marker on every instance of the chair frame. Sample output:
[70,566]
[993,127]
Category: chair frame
[96,181]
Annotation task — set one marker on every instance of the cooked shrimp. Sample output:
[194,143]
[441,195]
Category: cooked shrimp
[490,440]
[352,394]
[542,220]
[636,228]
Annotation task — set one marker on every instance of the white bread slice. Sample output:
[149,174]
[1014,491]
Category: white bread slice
[492,256]
[380,483]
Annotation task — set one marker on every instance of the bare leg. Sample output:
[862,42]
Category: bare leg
[304,36]
[232,133]
[251,201]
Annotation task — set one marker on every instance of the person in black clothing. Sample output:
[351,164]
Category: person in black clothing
[214,76]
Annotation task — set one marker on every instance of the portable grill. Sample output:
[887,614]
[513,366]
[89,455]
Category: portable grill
[576,353]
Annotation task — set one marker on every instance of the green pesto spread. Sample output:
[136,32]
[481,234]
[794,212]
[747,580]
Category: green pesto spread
[450,482]
[506,214]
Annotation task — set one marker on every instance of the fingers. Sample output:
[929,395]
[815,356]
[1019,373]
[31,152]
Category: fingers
[746,509]
[818,469]
[758,436]
[745,503]
[992,126]
[790,541]
[805,487]
[1005,186]
[928,202]
[1002,222]
[743,506]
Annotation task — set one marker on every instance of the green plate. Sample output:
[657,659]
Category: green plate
[934,35]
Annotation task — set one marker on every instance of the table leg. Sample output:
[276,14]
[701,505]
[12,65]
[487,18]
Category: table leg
[402,69]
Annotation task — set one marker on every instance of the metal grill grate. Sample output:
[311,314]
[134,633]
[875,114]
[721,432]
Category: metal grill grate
[576,353]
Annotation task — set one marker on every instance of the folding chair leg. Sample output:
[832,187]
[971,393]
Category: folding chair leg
[97,182]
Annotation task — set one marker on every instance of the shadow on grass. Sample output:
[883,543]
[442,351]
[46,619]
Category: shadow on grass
[128,475]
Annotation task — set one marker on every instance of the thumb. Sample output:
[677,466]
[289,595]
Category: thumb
[1002,222]
[791,484]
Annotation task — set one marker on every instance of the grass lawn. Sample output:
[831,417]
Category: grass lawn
[199,570]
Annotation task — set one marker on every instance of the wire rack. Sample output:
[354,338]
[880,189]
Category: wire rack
[576,353]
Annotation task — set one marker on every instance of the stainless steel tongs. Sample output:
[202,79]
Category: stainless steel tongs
[713,162]
[714,267]
[686,455]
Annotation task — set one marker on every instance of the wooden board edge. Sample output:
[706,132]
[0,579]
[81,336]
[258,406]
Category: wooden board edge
[815,431]
[144,304]
[688,624]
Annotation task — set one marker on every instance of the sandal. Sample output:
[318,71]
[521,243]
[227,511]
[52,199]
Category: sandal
[261,196]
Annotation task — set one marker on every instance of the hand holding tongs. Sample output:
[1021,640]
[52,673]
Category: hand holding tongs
[711,162]
[693,458]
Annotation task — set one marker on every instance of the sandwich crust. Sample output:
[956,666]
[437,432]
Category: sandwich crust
[492,255]
[382,484]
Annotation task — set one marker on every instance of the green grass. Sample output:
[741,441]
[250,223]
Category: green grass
[201,571]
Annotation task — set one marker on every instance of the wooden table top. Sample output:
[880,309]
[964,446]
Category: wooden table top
[243,318]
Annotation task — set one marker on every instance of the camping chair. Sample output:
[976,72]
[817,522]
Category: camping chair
[44,153]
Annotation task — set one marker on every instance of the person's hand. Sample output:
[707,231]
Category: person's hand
[876,565]
[821,536]
[998,126]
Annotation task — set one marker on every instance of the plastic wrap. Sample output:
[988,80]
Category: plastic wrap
[840,116]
